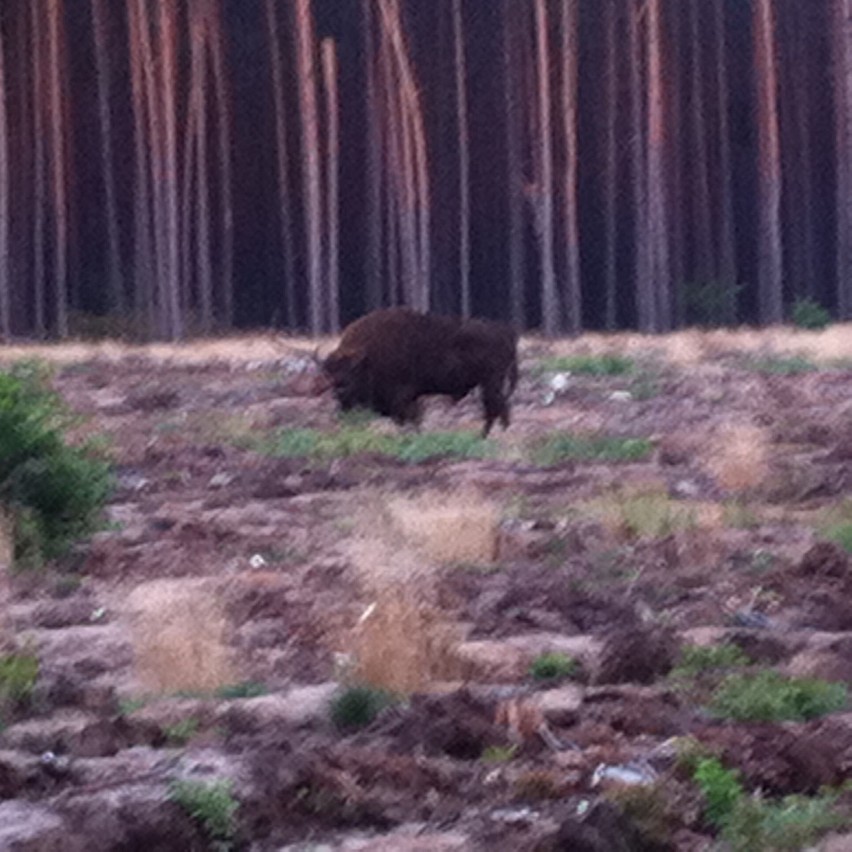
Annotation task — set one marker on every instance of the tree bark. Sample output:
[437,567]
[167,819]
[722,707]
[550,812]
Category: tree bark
[770,264]
[375,172]
[701,211]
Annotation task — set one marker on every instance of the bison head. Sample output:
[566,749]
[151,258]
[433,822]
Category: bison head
[347,372]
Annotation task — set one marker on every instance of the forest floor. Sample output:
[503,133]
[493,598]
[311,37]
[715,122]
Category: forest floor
[579,625]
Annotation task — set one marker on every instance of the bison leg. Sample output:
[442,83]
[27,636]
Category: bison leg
[494,405]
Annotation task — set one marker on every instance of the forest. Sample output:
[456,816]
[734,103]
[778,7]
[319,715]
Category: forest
[171,168]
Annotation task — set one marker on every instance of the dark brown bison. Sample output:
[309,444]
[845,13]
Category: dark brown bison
[390,358]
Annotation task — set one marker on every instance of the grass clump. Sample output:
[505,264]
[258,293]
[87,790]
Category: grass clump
[565,446]
[244,689]
[355,440]
[212,806]
[748,823]
[553,666]
[587,365]
[180,733]
[356,706]
[495,754]
[811,315]
[771,697]
[53,492]
[18,675]
[792,365]
[697,659]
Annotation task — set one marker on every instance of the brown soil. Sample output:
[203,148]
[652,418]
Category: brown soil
[224,569]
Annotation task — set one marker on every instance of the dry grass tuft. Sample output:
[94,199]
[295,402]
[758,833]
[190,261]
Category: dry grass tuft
[402,644]
[739,456]
[179,637]
[448,528]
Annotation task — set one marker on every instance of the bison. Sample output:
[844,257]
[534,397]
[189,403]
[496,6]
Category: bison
[388,359]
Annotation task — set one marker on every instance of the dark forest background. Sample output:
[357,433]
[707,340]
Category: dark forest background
[189,166]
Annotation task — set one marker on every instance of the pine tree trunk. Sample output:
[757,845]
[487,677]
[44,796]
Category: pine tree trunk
[514,129]
[551,319]
[570,48]
[306,46]
[5,210]
[464,158]
[332,168]
[770,266]
[282,163]
[701,212]
[727,268]
[143,238]
[223,121]
[842,21]
[59,167]
[611,172]
[115,277]
[375,173]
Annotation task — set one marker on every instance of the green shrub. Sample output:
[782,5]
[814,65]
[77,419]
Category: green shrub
[498,754]
[357,706]
[565,446]
[695,659]
[809,314]
[771,697]
[53,492]
[212,806]
[553,666]
[427,445]
[587,365]
[748,823]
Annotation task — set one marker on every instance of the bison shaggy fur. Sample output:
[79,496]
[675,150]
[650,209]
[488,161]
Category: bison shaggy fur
[388,359]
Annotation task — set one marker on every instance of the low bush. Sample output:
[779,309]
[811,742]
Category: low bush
[566,446]
[553,666]
[212,806]
[52,491]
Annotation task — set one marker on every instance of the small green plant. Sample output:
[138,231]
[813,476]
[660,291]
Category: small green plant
[357,706]
[721,788]
[499,754]
[245,689]
[180,733]
[565,446]
[427,445]
[696,659]
[586,365]
[771,697]
[793,365]
[18,675]
[212,806]
[553,666]
[807,313]
[53,491]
